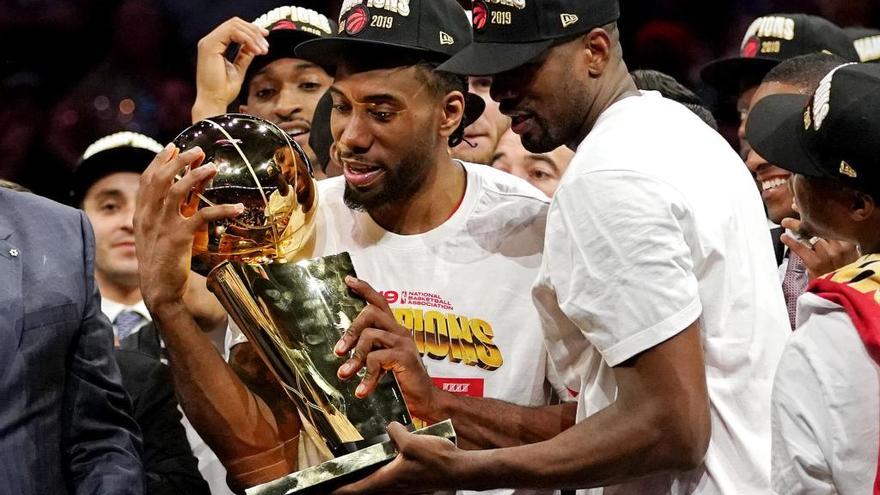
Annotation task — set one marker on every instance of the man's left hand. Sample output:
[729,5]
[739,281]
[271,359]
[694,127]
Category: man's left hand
[821,256]
[424,464]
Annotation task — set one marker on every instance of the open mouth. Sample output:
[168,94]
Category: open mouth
[295,129]
[770,184]
[361,174]
[520,123]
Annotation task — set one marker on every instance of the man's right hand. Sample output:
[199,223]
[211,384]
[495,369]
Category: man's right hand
[163,235]
[379,343]
[218,81]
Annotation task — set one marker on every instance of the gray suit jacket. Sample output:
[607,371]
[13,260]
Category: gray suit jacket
[65,420]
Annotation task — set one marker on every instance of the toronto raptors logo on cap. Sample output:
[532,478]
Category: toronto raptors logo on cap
[750,49]
[481,16]
[283,24]
[357,20]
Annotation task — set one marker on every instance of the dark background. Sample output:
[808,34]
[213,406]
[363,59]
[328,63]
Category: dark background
[72,71]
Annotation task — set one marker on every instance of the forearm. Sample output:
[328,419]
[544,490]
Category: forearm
[659,422]
[612,446]
[490,423]
[232,420]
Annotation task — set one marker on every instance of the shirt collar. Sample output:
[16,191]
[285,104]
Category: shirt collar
[112,309]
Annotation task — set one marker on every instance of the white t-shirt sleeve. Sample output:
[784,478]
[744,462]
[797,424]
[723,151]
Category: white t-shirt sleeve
[800,424]
[234,336]
[619,261]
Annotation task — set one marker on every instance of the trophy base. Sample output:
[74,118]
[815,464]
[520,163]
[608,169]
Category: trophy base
[327,476]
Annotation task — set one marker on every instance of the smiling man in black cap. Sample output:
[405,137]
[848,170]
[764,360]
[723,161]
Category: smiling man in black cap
[658,293]
[265,77]
[454,247]
[826,406]
[769,40]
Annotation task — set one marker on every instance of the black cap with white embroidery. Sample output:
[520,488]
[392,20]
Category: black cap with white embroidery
[832,134]
[510,33]
[436,28]
[120,152]
[288,26]
[772,39]
[866,42]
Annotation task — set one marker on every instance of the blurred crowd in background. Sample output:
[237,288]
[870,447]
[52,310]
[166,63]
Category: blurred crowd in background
[72,71]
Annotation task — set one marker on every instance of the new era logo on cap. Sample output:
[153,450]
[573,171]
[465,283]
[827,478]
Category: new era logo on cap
[568,19]
[446,39]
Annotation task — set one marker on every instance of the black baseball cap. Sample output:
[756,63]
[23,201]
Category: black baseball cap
[436,29]
[770,40]
[119,152]
[831,134]
[510,33]
[866,42]
[433,29]
[288,26]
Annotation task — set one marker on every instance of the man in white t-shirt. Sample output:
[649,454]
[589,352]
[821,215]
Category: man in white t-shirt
[658,287]
[826,404]
[454,247]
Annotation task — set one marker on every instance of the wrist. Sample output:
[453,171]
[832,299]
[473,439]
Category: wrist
[439,405]
[207,106]
[167,310]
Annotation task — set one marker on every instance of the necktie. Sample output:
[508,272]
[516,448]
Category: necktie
[793,285]
[126,323]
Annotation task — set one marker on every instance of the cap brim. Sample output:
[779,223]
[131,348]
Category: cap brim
[731,75]
[484,59]
[774,130]
[329,51]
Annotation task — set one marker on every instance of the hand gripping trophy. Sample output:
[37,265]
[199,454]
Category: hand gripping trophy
[292,310]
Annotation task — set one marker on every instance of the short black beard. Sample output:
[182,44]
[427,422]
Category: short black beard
[402,181]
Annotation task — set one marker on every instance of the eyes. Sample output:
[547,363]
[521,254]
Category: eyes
[377,111]
[267,91]
[110,206]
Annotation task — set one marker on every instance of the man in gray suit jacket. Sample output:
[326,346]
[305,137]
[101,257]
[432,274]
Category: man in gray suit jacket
[65,420]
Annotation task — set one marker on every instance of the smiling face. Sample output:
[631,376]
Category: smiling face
[386,127]
[286,92]
[109,204]
[773,182]
[482,137]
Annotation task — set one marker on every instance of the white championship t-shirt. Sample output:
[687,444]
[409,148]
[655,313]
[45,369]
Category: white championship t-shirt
[826,406]
[476,269]
[657,223]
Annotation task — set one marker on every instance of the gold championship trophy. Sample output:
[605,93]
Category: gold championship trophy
[293,310]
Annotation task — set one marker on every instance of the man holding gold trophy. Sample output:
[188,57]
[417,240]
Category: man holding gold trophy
[453,247]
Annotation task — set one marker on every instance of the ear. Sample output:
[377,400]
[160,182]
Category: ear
[863,206]
[598,47]
[451,113]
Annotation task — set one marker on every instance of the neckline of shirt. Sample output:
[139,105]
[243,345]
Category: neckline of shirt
[385,239]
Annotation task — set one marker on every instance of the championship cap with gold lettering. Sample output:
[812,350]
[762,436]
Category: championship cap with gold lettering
[435,28]
[771,39]
[831,134]
[288,26]
[510,33]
